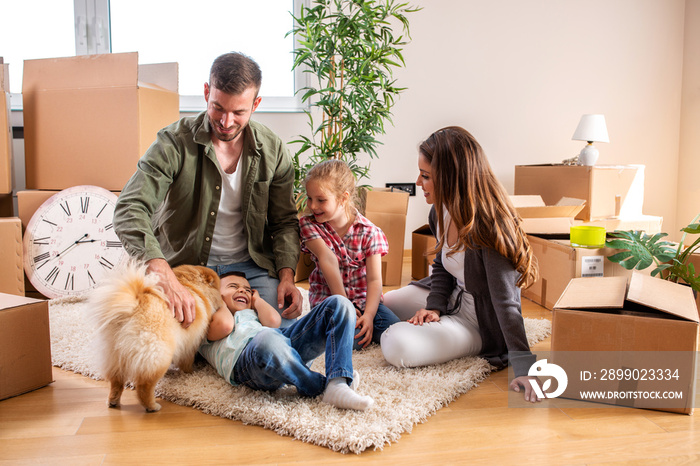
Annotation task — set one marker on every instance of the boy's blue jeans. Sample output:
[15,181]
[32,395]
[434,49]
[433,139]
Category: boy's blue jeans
[275,357]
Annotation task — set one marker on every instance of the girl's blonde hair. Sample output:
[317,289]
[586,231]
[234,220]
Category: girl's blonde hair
[335,177]
[465,186]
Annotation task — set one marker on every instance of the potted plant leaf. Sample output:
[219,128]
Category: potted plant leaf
[671,261]
[348,51]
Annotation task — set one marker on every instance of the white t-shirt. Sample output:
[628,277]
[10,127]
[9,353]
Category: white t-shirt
[454,264]
[229,244]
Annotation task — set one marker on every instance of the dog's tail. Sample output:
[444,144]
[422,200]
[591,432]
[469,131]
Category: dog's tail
[127,341]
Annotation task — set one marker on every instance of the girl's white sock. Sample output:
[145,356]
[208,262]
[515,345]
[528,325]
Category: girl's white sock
[340,395]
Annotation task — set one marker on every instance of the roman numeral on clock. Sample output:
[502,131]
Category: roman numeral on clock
[90,279]
[65,207]
[69,282]
[114,244]
[84,203]
[44,240]
[42,257]
[106,264]
[53,275]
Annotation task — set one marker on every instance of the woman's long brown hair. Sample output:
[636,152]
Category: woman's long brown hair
[465,186]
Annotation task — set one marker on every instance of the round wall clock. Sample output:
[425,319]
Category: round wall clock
[70,243]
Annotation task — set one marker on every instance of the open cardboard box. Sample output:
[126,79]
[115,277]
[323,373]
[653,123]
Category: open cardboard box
[601,325]
[609,190]
[88,119]
[539,217]
[25,345]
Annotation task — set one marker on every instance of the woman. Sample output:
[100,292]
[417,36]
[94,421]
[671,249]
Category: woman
[470,305]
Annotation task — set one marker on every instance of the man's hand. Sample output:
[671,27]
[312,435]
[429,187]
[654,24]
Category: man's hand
[288,294]
[180,300]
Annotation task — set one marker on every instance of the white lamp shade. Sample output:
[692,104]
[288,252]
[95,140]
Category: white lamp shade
[591,128]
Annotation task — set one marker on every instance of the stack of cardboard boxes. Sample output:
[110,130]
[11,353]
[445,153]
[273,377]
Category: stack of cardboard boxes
[552,198]
[11,272]
[87,121]
[614,331]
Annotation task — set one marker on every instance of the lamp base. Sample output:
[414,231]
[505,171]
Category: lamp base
[588,155]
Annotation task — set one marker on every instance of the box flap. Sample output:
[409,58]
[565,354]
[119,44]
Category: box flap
[593,293]
[663,295]
[8,301]
[527,200]
[82,71]
[424,230]
[532,206]
[161,75]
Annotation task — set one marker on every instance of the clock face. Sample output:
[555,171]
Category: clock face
[70,241]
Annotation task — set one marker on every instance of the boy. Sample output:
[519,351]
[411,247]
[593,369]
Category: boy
[244,351]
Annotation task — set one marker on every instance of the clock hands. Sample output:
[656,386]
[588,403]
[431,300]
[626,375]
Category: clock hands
[72,245]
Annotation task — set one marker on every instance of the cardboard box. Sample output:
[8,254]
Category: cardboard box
[7,208]
[609,190]
[539,217]
[422,242]
[88,119]
[11,258]
[559,262]
[25,345]
[600,324]
[304,267]
[387,209]
[5,131]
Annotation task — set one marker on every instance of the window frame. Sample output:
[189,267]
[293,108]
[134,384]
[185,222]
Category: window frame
[93,36]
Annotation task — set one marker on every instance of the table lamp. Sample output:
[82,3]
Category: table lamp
[591,129]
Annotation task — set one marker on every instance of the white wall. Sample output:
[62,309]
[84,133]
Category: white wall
[519,75]
[689,160]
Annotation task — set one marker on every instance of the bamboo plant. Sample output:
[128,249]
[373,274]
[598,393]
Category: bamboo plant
[348,50]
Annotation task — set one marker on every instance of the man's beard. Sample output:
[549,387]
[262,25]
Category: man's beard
[225,137]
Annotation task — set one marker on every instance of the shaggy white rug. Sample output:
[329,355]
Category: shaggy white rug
[403,397]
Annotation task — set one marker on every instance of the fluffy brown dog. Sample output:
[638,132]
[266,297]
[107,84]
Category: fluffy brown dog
[138,337]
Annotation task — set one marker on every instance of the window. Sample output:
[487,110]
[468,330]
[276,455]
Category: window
[190,33]
[32,35]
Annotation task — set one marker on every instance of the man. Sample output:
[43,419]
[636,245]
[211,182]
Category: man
[216,190]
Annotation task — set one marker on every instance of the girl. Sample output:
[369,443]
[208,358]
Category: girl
[346,248]
[470,305]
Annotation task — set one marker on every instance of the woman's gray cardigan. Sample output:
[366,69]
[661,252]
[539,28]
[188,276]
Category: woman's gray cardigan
[491,279]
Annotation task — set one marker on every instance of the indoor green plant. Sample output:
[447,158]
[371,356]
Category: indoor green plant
[641,251]
[348,51]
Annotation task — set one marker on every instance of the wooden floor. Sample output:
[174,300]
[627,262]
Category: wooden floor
[69,423]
